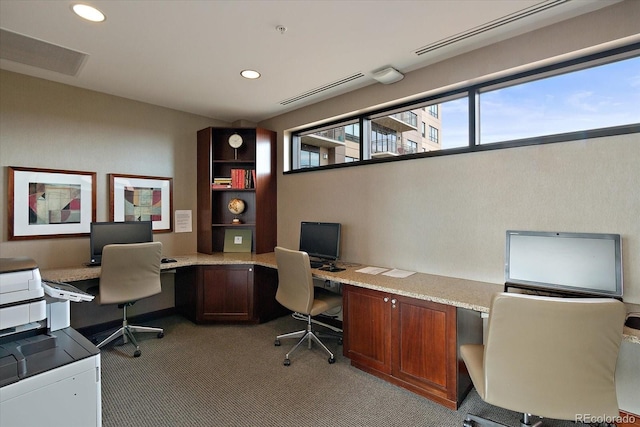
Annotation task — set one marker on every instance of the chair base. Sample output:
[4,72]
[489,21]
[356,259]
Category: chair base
[310,336]
[476,421]
[126,332]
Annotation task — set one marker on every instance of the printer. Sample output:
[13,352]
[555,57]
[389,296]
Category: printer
[49,372]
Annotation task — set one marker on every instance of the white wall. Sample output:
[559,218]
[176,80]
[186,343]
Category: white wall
[448,215]
[55,126]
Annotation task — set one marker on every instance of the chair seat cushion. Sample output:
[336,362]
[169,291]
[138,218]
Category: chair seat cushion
[324,300]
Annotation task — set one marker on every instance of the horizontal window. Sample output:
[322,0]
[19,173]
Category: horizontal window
[588,97]
[598,97]
[334,145]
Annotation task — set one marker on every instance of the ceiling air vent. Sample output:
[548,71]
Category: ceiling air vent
[322,89]
[541,7]
[37,53]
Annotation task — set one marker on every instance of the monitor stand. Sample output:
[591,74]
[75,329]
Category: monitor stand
[331,267]
[316,263]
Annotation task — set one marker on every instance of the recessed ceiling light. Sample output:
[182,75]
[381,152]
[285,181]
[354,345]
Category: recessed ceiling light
[250,74]
[88,12]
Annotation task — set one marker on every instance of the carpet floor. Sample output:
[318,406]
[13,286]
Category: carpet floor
[233,375]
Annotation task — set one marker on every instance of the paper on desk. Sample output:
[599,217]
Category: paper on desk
[371,270]
[398,273]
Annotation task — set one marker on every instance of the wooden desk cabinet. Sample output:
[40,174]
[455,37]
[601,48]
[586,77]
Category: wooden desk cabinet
[225,293]
[410,342]
[235,293]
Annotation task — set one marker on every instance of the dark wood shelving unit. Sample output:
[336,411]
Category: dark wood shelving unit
[227,293]
[216,158]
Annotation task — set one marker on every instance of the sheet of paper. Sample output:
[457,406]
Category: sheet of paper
[398,273]
[371,270]
[183,221]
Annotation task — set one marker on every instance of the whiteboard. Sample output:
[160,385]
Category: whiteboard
[586,263]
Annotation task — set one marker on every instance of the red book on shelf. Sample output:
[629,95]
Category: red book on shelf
[234,178]
[237,178]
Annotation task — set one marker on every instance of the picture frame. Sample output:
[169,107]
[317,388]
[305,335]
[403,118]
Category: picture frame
[50,203]
[142,198]
[237,240]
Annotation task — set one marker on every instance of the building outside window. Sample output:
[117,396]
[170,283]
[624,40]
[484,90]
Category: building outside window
[433,134]
[352,132]
[383,139]
[309,156]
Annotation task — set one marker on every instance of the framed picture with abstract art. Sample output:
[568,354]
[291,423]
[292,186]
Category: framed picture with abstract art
[48,203]
[141,198]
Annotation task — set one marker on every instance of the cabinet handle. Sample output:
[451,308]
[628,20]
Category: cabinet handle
[251,269]
[385,299]
[393,301]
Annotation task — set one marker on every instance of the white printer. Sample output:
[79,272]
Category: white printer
[49,372]
[21,294]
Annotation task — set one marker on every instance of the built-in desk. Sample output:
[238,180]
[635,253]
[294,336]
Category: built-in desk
[401,311]
[460,293]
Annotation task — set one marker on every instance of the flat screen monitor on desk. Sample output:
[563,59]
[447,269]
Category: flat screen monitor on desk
[321,240]
[107,233]
[580,264]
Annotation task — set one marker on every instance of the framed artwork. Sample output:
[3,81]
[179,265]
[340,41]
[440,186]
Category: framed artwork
[237,240]
[49,203]
[141,198]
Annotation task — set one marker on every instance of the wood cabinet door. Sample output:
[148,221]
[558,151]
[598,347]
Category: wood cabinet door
[226,293]
[424,345]
[366,336]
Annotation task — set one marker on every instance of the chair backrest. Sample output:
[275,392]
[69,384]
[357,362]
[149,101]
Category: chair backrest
[295,281]
[553,357]
[130,272]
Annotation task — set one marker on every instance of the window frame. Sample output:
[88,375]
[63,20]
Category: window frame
[472,93]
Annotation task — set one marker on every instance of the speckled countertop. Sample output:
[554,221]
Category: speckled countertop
[462,293]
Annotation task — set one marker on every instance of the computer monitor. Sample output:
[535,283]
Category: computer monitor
[106,233]
[580,264]
[320,240]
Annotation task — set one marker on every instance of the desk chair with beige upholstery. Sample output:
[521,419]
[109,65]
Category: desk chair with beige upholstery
[297,293]
[552,357]
[130,272]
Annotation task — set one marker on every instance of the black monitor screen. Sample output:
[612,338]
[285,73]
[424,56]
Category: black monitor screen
[106,233]
[320,239]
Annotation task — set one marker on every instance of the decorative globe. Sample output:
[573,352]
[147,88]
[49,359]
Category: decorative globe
[236,206]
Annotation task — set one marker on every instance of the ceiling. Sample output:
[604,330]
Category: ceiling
[187,54]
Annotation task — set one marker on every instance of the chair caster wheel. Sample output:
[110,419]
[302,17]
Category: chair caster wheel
[277,343]
[160,334]
[287,362]
[340,341]
[332,360]
[137,353]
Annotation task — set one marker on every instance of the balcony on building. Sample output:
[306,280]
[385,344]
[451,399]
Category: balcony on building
[400,122]
[330,138]
[390,147]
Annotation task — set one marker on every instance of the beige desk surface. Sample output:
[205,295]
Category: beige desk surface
[462,293]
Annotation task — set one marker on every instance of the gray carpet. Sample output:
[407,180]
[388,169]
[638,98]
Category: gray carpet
[232,375]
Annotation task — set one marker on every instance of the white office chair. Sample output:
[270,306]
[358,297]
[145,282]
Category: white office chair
[297,293]
[552,357]
[130,272]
